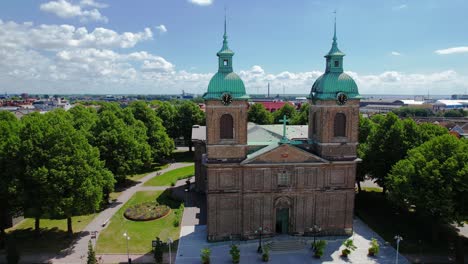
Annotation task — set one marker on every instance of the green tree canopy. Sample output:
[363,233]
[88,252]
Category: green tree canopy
[259,115]
[302,118]
[10,170]
[433,179]
[160,143]
[189,114]
[84,119]
[288,110]
[168,113]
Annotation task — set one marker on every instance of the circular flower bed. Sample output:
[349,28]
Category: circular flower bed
[146,211]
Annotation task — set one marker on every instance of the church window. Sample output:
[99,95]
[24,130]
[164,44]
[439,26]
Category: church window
[226,127]
[283,178]
[340,125]
[225,62]
[314,123]
[337,63]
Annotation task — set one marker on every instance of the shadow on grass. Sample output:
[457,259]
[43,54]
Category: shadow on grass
[185,156]
[50,240]
[377,212]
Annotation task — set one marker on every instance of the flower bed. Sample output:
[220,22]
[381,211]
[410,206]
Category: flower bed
[146,211]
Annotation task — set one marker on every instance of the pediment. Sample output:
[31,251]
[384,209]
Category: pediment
[282,153]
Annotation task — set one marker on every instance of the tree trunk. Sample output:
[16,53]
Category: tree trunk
[69,227]
[358,182]
[190,146]
[459,253]
[2,237]
[36,226]
[384,189]
[435,231]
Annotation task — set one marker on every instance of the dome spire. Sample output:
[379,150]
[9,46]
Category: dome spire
[334,34]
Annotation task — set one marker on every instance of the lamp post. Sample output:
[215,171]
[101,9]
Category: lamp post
[398,239]
[127,237]
[315,230]
[169,241]
[260,231]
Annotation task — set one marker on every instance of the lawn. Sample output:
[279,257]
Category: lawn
[53,236]
[141,234]
[172,176]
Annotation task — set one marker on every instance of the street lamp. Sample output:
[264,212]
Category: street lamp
[315,230]
[260,231]
[398,239]
[169,241]
[127,237]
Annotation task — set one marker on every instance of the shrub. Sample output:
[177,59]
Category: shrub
[374,247]
[235,254]
[158,250]
[176,222]
[91,254]
[205,255]
[265,254]
[349,247]
[173,184]
[146,211]
[320,248]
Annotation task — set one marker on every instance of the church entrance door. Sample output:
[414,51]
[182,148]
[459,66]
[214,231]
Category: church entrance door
[282,220]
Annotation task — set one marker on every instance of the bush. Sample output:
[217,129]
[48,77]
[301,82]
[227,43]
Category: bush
[91,254]
[319,248]
[265,254]
[146,211]
[205,255]
[235,254]
[349,247]
[374,248]
[158,250]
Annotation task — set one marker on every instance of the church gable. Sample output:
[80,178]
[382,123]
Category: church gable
[283,153]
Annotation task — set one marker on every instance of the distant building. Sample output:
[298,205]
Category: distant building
[450,104]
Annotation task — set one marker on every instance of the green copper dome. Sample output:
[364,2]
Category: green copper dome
[334,80]
[225,80]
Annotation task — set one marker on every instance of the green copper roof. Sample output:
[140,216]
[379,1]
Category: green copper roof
[226,83]
[225,80]
[331,83]
[334,80]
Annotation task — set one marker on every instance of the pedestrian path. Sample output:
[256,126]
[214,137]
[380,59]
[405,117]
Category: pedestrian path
[77,252]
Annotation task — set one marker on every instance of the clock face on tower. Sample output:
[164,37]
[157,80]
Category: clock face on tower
[341,98]
[226,99]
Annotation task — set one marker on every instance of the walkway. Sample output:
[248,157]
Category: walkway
[77,252]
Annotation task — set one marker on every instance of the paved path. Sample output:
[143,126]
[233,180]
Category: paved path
[77,252]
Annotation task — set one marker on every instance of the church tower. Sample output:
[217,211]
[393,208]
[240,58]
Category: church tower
[334,111]
[226,111]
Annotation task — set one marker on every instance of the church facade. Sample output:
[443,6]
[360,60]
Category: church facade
[290,184]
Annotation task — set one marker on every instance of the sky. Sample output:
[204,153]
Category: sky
[166,46]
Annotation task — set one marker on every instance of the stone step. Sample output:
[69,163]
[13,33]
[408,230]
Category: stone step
[286,245]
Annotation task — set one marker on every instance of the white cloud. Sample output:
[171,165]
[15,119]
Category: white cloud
[56,37]
[453,50]
[201,2]
[395,53]
[399,7]
[65,9]
[161,28]
[92,3]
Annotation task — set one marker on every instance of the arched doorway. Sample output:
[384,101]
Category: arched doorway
[282,213]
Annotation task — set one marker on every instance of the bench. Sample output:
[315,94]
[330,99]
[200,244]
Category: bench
[105,222]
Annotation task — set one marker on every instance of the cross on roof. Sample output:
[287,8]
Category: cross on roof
[284,120]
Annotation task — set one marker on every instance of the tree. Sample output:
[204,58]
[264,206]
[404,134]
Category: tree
[288,110]
[9,183]
[84,119]
[70,175]
[91,254]
[434,180]
[122,142]
[160,143]
[259,115]
[302,118]
[366,127]
[168,114]
[454,113]
[189,114]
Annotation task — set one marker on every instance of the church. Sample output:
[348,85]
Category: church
[276,178]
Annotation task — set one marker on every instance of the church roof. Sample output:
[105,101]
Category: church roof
[334,80]
[225,80]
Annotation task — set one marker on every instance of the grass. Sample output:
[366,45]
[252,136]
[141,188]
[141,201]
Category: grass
[172,176]
[378,213]
[141,234]
[53,236]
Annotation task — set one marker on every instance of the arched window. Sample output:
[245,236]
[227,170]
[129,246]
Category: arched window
[340,125]
[226,127]
[314,123]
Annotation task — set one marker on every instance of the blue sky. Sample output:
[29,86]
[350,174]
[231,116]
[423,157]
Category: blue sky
[164,46]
